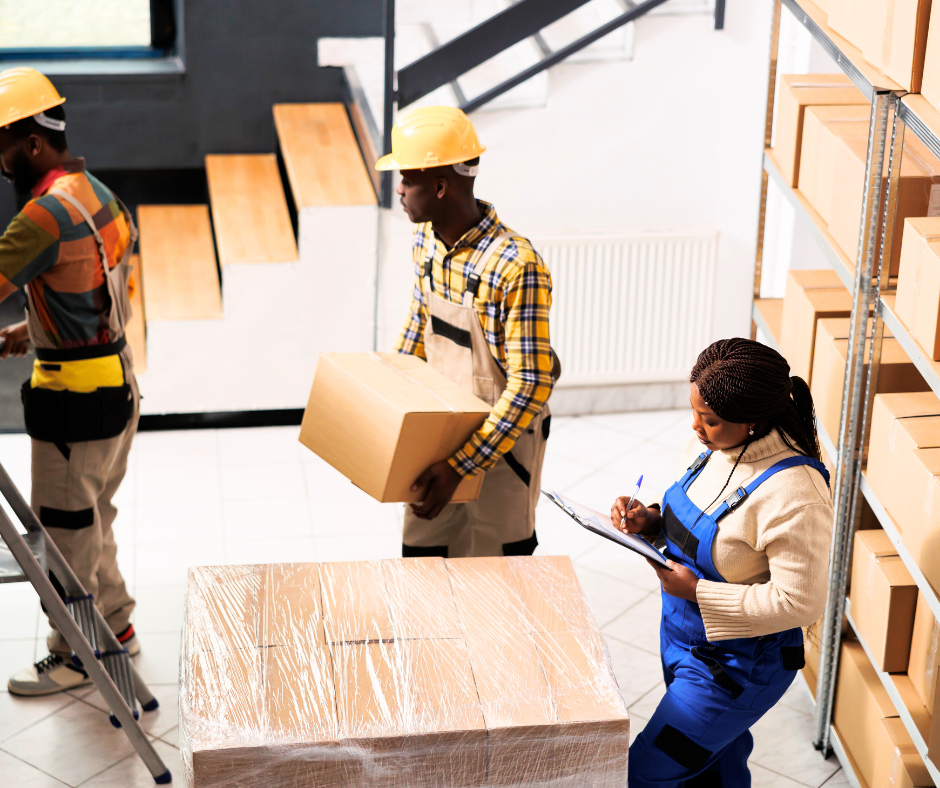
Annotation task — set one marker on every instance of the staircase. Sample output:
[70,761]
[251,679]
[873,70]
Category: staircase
[237,298]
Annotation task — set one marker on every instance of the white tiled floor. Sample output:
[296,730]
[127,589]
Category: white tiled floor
[238,496]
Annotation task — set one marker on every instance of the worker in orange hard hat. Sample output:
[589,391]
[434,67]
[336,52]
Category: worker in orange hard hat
[68,248]
[479,314]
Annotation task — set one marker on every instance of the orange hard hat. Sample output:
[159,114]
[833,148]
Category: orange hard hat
[25,92]
[431,137]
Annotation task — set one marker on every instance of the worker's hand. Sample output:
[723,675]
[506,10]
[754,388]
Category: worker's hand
[678,580]
[441,480]
[14,340]
[639,520]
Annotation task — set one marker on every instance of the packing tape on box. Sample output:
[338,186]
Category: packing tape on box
[887,40]
[930,665]
[399,371]
[895,767]
[933,206]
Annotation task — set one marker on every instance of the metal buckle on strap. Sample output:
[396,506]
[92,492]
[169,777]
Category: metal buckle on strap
[429,266]
[699,462]
[736,498]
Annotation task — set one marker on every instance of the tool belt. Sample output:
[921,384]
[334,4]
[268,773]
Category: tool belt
[64,416]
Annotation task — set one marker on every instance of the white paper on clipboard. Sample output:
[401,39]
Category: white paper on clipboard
[600,524]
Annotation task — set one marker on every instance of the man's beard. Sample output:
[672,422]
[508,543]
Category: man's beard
[22,177]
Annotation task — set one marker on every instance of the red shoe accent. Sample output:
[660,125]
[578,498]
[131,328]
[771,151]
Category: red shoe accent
[126,635]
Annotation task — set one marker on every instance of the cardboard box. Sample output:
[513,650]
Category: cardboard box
[822,126]
[381,419]
[883,599]
[810,296]
[933,735]
[919,169]
[861,703]
[856,22]
[925,640]
[897,762]
[797,92]
[930,86]
[899,48]
[500,694]
[918,297]
[896,374]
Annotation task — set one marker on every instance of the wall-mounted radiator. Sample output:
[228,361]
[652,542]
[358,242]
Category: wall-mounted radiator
[630,308]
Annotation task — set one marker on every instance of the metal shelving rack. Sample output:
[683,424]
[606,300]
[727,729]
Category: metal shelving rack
[893,111]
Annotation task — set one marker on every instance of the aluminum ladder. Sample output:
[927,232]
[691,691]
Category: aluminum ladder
[77,618]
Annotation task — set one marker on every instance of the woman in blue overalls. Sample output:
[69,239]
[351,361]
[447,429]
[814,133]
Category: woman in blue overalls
[746,530]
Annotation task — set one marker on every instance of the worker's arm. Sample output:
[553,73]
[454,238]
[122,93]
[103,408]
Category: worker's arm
[525,307]
[29,247]
[411,339]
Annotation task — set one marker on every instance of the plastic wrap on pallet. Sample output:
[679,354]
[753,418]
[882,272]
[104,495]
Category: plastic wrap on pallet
[413,672]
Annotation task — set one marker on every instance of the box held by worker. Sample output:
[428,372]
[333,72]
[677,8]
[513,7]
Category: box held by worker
[883,600]
[797,92]
[918,297]
[810,295]
[381,419]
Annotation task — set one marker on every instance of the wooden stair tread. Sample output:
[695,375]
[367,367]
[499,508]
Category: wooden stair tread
[135,330]
[249,210]
[321,155]
[177,252]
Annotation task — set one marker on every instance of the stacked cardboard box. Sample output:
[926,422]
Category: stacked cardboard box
[797,93]
[883,600]
[918,297]
[810,296]
[411,672]
[904,472]
[897,372]
[381,419]
[930,86]
[922,668]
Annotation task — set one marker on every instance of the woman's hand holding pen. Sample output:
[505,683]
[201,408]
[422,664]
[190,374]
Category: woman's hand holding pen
[638,520]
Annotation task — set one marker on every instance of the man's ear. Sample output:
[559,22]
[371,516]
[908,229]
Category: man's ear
[440,189]
[34,144]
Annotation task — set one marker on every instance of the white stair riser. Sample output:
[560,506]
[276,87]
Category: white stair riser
[278,318]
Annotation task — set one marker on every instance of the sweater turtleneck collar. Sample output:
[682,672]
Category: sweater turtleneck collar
[767,446]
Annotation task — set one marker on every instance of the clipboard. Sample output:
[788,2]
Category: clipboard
[598,523]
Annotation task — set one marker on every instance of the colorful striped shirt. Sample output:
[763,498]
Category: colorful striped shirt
[513,302]
[49,249]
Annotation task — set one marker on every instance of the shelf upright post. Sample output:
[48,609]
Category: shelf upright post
[848,467]
[768,139]
[389,98]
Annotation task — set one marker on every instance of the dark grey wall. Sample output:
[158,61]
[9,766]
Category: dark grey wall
[241,56]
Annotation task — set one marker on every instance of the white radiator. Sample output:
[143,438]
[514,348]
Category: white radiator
[630,308]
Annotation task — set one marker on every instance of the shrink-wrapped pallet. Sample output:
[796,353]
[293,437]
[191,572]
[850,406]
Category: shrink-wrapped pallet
[409,672]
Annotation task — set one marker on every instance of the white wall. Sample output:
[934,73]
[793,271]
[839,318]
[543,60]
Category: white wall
[672,138]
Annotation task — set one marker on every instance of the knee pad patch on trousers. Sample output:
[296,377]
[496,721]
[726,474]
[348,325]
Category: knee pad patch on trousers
[71,521]
[409,551]
[793,657]
[522,547]
[682,749]
[705,780]
[719,674]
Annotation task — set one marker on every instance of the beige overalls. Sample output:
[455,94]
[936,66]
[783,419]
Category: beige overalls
[73,483]
[502,520]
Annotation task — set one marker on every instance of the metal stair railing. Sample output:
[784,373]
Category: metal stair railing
[104,659]
[443,66]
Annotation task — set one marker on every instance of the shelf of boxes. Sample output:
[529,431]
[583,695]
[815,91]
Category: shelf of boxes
[891,529]
[928,368]
[768,317]
[839,261]
[848,768]
[889,681]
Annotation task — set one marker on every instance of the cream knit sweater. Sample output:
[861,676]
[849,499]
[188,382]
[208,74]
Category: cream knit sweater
[773,551]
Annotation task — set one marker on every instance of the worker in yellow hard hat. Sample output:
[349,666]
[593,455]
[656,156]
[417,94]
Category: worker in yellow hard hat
[479,314]
[68,249]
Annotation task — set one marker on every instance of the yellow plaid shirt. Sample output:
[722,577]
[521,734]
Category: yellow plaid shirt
[513,302]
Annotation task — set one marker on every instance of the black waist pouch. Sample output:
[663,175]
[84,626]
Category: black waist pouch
[73,417]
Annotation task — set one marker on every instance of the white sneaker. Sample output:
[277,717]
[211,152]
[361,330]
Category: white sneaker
[53,674]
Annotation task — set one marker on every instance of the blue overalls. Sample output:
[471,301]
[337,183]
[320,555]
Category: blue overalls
[699,734]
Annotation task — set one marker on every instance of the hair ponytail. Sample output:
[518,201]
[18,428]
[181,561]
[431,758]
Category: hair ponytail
[798,421]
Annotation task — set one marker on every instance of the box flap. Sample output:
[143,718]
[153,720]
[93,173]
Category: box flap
[550,593]
[815,279]
[876,543]
[299,697]
[420,598]
[355,602]
[291,610]
[222,605]
[905,405]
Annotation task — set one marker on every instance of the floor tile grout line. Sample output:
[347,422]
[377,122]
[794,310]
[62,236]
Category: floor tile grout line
[788,777]
[34,766]
[41,719]
[132,754]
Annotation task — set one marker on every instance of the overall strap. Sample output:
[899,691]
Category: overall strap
[738,497]
[473,280]
[88,220]
[694,470]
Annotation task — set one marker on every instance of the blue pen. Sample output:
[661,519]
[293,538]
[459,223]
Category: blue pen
[636,490]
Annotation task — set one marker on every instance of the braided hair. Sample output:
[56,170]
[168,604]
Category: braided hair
[744,381]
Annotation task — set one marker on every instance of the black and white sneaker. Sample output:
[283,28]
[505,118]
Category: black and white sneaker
[53,674]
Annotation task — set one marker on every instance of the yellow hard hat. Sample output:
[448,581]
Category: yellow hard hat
[25,92]
[431,137]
